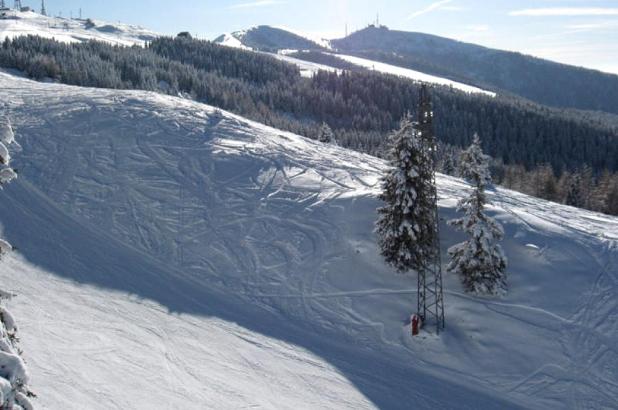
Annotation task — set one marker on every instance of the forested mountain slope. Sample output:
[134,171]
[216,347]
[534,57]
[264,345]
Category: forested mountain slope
[539,80]
[271,39]
[170,251]
[543,81]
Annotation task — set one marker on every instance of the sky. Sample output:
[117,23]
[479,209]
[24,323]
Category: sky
[577,32]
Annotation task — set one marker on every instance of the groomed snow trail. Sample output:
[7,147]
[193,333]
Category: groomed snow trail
[187,247]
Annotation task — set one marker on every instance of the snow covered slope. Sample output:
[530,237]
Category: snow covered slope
[71,30]
[175,257]
[412,74]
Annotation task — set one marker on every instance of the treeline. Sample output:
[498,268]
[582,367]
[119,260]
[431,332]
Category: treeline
[582,188]
[361,107]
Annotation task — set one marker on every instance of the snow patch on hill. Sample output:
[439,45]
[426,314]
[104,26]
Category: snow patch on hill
[230,40]
[412,74]
[185,252]
[307,68]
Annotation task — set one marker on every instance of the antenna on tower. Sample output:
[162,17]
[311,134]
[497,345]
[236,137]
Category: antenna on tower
[378,20]
[346,29]
[17,5]
[80,13]
[43,11]
[2,6]
[430,291]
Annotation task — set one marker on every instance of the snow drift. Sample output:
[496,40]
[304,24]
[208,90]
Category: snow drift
[171,255]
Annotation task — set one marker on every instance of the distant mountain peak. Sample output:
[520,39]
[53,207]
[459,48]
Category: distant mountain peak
[271,39]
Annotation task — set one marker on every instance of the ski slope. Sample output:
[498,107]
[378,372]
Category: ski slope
[411,74]
[72,30]
[172,256]
[307,68]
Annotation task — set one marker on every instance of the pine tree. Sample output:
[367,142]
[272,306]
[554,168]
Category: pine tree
[479,261]
[325,134]
[404,227]
[14,390]
[574,195]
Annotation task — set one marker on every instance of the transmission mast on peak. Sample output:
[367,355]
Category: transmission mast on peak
[430,292]
[43,11]
[17,5]
[2,6]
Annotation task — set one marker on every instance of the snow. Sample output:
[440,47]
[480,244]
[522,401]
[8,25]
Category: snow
[229,40]
[170,256]
[307,68]
[72,30]
[412,74]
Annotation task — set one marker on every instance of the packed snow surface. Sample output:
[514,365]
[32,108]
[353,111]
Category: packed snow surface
[307,68]
[412,74]
[71,30]
[172,256]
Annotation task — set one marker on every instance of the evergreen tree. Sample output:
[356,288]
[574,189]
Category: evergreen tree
[325,134]
[479,261]
[14,390]
[574,195]
[404,228]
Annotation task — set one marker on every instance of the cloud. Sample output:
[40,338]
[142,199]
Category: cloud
[566,11]
[259,3]
[593,26]
[434,6]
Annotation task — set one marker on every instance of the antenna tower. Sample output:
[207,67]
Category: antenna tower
[43,11]
[17,5]
[430,291]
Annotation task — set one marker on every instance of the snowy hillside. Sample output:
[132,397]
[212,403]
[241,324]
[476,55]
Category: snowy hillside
[71,30]
[278,40]
[171,256]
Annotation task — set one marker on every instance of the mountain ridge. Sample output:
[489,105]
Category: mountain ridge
[539,80]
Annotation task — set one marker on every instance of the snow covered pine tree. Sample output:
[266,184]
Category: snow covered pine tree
[326,134]
[14,391]
[404,227]
[479,261]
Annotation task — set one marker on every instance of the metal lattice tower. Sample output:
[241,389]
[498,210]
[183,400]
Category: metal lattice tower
[430,292]
[43,11]
[2,4]
[17,5]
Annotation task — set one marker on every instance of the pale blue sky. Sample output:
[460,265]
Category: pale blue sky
[579,32]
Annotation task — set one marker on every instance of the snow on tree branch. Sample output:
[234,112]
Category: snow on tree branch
[14,391]
[479,261]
